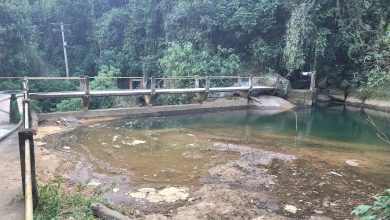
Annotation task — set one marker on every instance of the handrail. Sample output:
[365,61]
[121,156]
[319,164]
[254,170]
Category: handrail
[122,77]
[28,198]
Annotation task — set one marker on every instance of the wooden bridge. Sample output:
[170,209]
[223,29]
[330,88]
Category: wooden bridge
[150,88]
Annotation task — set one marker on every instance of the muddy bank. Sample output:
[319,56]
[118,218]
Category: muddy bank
[262,179]
[351,101]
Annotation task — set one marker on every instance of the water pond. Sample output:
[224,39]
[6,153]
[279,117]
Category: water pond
[176,150]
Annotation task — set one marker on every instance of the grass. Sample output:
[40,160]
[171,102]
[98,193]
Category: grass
[56,204]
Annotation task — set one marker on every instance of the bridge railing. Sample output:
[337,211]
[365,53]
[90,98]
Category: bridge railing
[79,87]
[27,157]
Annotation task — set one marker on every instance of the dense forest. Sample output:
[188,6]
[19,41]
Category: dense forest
[346,42]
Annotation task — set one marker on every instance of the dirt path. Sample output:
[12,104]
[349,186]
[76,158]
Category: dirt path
[11,202]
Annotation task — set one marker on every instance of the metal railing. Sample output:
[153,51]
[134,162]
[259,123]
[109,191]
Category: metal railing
[27,157]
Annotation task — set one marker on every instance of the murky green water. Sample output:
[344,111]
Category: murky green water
[175,150]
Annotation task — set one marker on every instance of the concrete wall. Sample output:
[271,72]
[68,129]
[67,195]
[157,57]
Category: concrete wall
[219,104]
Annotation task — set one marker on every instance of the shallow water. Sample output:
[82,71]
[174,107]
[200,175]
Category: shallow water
[175,150]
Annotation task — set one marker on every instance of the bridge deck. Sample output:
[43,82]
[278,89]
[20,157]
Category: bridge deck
[95,93]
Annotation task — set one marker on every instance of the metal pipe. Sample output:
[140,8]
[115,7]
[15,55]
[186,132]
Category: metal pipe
[26,117]
[28,200]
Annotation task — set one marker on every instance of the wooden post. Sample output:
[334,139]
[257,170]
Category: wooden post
[313,87]
[165,83]
[130,84]
[149,99]
[196,81]
[153,85]
[203,95]
[25,88]
[85,99]
[144,82]
[313,81]
[250,82]
[82,83]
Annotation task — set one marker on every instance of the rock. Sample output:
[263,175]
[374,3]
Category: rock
[115,190]
[291,209]
[260,218]
[319,218]
[66,148]
[155,198]
[172,194]
[94,182]
[147,190]
[137,142]
[336,174]
[115,138]
[318,212]
[138,195]
[352,163]
[104,212]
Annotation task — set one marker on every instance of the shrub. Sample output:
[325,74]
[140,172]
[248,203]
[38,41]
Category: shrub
[379,210]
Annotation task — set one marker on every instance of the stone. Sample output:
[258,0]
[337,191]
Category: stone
[172,194]
[291,209]
[137,142]
[155,198]
[352,163]
[115,190]
[66,148]
[94,182]
[138,195]
[336,174]
[147,190]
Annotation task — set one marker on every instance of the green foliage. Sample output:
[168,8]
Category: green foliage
[69,105]
[56,204]
[47,105]
[101,82]
[184,60]
[344,41]
[10,85]
[379,210]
